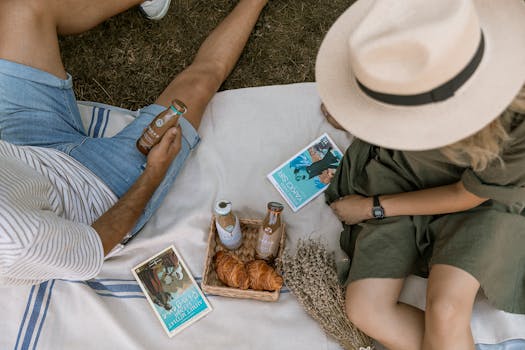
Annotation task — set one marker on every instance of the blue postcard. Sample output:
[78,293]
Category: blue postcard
[171,291]
[308,173]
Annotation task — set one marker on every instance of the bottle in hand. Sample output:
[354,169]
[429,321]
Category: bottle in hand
[158,127]
[270,233]
[228,225]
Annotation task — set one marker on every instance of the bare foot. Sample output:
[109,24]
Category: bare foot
[330,119]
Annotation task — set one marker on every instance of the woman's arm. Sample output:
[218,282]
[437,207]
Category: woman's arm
[433,201]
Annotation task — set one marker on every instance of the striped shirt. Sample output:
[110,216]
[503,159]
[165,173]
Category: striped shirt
[47,203]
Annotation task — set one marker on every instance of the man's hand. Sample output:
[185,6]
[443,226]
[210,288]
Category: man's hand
[113,225]
[162,155]
[353,209]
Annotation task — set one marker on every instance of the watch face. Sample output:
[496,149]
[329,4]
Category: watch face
[377,212]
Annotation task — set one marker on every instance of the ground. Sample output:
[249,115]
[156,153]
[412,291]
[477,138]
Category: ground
[127,61]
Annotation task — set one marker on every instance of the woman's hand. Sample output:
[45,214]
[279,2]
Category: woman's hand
[353,209]
[161,156]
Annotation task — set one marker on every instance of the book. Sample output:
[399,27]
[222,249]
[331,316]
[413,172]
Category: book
[171,291]
[308,173]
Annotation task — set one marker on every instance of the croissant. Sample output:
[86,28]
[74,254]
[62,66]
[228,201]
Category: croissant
[231,270]
[263,276]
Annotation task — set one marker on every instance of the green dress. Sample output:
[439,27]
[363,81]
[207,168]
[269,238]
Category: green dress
[487,241]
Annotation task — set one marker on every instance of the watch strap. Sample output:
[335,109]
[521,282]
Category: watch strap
[376,201]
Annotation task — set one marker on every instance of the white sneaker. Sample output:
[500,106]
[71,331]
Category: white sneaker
[155,9]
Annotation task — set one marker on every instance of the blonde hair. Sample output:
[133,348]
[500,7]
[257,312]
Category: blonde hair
[484,147]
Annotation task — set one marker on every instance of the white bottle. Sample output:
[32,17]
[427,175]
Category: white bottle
[228,225]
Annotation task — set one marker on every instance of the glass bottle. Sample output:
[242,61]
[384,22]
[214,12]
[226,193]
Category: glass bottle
[270,233]
[158,127]
[228,225]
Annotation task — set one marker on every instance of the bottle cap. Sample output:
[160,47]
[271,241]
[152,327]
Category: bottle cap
[275,206]
[223,207]
[178,107]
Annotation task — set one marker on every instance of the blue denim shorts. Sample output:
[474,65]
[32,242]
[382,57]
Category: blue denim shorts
[39,109]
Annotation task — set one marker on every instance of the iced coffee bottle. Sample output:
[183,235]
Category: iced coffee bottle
[158,127]
[270,233]
[228,225]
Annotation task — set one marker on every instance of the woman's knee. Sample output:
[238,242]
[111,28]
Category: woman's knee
[357,305]
[366,299]
[450,298]
[446,314]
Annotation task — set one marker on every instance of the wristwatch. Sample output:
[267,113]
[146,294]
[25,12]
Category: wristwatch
[377,210]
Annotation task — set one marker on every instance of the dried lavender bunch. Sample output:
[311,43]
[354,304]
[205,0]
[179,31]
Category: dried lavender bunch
[311,275]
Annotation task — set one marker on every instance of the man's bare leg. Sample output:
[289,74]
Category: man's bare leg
[196,85]
[214,61]
[29,28]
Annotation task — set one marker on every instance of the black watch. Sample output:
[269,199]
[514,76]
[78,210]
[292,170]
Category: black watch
[377,210]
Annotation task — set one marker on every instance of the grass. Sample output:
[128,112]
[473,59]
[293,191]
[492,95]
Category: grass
[127,61]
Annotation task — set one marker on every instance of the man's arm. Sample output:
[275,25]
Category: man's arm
[113,225]
[214,61]
[433,201]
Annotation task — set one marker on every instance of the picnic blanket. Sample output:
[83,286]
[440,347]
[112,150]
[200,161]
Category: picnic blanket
[245,134]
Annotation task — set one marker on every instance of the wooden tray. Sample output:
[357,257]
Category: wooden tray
[246,252]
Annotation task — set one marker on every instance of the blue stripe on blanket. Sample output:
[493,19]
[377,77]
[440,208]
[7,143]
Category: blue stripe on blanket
[24,317]
[100,119]
[114,287]
[107,287]
[113,279]
[103,133]
[45,314]
[99,122]
[37,318]
[91,123]
[127,289]
[34,315]
[122,296]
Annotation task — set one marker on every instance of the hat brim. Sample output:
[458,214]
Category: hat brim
[479,101]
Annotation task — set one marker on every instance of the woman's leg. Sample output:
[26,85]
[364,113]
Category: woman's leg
[28,28]
[217,56]
[372,305]
[450,298]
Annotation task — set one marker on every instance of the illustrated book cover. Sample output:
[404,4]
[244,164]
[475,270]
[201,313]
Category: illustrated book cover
[308,173]
[171,291]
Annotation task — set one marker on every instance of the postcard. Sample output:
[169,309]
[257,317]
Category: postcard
[308,173]
[171,291]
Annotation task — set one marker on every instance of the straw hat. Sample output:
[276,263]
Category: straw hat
[419,74]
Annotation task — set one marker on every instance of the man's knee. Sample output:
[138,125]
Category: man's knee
[30,10]
[195,83]
[205,77]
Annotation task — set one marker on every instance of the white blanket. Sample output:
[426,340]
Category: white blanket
[245,134]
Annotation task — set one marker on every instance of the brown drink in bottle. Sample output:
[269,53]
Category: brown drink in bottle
[158,127]
[270,233]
